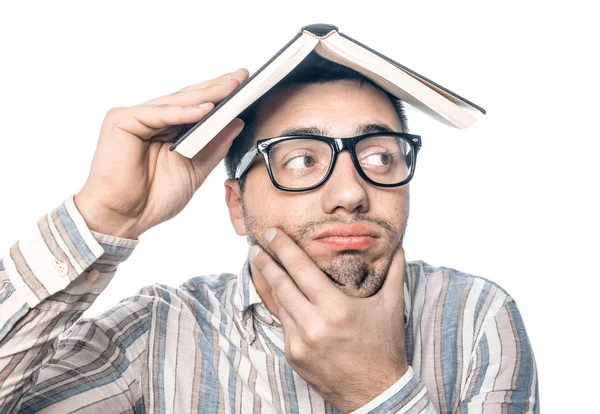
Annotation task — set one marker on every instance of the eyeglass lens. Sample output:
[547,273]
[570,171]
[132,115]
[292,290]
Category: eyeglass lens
[302,163]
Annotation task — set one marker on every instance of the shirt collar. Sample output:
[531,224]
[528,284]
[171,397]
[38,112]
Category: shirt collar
[247,295]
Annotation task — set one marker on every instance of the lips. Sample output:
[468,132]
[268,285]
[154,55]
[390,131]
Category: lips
[348,237]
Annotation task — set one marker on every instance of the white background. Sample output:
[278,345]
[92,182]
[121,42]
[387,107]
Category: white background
[513,199]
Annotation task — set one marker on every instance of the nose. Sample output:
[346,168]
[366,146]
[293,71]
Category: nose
[345,189]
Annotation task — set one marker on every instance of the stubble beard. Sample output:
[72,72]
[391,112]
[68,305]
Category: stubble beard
[348,270]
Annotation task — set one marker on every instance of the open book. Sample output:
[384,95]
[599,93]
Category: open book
[402,82]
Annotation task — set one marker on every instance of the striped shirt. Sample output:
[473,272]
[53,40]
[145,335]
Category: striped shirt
[211,346]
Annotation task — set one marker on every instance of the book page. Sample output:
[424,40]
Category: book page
[262,81]
[393,79]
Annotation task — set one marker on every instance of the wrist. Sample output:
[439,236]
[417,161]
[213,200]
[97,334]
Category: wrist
[98,219]
[375,389]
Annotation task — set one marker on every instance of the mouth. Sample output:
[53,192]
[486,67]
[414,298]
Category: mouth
[348,237]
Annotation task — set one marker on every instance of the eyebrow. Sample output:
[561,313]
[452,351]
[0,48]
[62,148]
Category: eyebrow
[316,130]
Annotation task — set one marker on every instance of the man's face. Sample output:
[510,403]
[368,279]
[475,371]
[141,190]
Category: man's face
[374,217]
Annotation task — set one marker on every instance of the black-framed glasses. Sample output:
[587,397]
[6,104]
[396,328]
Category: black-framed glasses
[304,162]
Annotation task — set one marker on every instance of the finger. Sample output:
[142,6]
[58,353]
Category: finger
[392,291]
[287,322]
[240,74]
[214,93]
[282,286]
[306,274]
[145,121]
[210,156]
[169,135]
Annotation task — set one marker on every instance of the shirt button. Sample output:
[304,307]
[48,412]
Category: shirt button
[93,275]
[267,319]
[62,269]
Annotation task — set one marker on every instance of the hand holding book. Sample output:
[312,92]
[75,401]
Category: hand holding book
[135,182]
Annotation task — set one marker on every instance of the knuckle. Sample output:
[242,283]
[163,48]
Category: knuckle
[275,244]
[228,83]
[259,260]
[296,351]
[164,105]
[214,91]
[314,334]
[337,319]
[322,295]
[277,285]
[113,117]
[299,266]
[114,113]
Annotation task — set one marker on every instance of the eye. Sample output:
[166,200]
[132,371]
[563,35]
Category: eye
[300,161]
[379,158]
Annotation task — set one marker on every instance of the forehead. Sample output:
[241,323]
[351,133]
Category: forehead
[336,108]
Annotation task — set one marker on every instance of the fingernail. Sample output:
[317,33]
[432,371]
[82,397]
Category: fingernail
[270,234]
[254,251]
[205,105]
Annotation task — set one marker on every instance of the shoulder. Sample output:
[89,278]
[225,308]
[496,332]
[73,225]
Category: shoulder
[206,291]
[450,291]
[133,317]
[420,271]
[199,289]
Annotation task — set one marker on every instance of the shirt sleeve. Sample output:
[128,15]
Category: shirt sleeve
[503,375]
[408,395]
[47,280]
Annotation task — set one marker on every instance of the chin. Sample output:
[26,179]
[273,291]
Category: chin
[355,276]
[364,291]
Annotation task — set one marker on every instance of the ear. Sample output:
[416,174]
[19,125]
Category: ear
[233,198]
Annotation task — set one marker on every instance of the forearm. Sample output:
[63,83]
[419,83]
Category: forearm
[47,280]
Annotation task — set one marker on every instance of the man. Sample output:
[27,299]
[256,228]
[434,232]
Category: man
[326,316]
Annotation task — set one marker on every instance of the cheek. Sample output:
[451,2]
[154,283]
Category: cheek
[403,203]
[392,203]
[266,206]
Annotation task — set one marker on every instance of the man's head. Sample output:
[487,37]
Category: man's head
[322,98]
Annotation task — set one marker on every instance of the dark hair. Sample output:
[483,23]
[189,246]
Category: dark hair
[313,69]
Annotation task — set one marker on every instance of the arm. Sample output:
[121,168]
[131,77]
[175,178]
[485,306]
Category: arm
[47,280]
[503,374]
[46,283]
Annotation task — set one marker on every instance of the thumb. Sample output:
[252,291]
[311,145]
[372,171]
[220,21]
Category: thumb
[392,290]
[208,158]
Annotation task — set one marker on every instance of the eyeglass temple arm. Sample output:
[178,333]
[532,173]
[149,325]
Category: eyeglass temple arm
[245,162]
